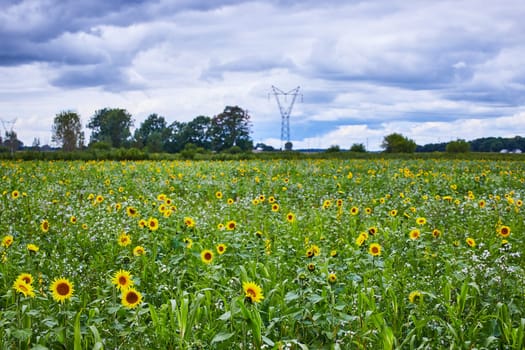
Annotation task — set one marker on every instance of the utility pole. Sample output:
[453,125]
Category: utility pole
[285,113]
[9,133]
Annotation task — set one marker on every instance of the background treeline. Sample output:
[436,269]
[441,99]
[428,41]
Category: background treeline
[223,136]
[485,144]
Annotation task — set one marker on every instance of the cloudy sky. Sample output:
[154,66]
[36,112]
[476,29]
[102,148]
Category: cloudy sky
[434,71]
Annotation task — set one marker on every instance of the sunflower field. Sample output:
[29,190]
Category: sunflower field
[262,254]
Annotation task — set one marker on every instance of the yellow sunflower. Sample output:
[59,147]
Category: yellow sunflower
[189,222]
[230,225]
[132,212]
[44,226]
[124,239]
[471,242]
[421,221]
[221,248]
[332,278]
[414,234]
[131,298]
[415,297]
[374,249]
[15,194]
[504,231]
[24,288]
[139,251]
[290,217]
[32,248]
[188,241]
[122,280]
[153,224]
[207,256]
[253,292]
[7,241]
[25,277]
[62,289]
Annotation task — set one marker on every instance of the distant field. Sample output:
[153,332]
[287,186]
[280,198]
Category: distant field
[274,254]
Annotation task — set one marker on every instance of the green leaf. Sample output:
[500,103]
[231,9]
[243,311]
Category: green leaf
[225,316]
[222,336]
[290,296]
[22,334]
[77,338]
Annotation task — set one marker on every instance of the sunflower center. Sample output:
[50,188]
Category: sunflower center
[375,250]
[26,280]
[207,256]
[122,280]
[62,289]
[23,288]
[132,297]
[251,293]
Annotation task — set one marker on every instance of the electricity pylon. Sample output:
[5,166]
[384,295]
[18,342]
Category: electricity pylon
[285,112]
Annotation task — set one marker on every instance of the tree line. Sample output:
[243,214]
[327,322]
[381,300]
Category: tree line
[227,131]
[111,128]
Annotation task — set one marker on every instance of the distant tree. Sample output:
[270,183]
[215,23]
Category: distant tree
[397,143]
[333,149]
[432,147]
[264,147]
[12,142]
[152,134]
[288,146]
[174,142]
[358,147]
[36,144]
[67,131]
[198,131]
[231,128]
[111,125]
[458,146]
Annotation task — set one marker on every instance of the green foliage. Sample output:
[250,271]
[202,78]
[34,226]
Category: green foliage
[152,134]
[469,296]
[397,143]
[458,146]
[67,131]
[231,128]
[358,147]
[333,149]
[111,125]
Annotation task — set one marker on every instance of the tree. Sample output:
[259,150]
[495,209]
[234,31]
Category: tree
[174,142]
[358,147]
[152,134]
[458,146]
[397,143]
[67,131]
[333,149]
[12,142]
[198,132]
[231,128]
[111,125]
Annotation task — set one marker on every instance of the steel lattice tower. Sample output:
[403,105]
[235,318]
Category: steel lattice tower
[285,113]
